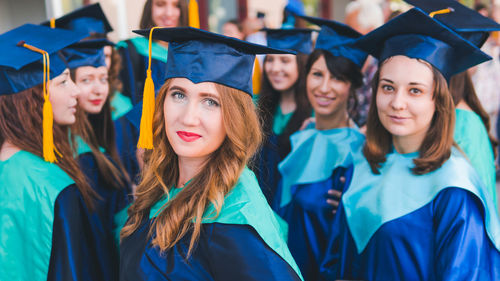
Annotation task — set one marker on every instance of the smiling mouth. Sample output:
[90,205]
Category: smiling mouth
[188,136]
[324,100]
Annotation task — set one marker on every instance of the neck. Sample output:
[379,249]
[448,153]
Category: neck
[463,105]
[407,144]
[287,101]
[162,43]
[188,168]
[7,150]
[338,119]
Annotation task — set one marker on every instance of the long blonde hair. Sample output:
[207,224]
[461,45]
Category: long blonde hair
[219,175]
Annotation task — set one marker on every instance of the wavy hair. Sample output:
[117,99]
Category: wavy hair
[21,121]
[436,146]
[220,173]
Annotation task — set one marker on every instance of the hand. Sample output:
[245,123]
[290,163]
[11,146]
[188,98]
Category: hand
[307,122]
[335,196]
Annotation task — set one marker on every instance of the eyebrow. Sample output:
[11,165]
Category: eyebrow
[411,83]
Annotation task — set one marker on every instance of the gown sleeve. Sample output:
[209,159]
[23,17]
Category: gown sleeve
[463,248]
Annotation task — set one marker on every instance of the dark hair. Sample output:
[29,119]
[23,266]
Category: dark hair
[342,69]
[21,124]
[480,6]
[237,23]
[97,130]
[436,146]
[147,17]
[269,100]
[462,89]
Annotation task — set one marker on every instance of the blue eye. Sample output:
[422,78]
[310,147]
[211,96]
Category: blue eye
[211,102]
[178,95]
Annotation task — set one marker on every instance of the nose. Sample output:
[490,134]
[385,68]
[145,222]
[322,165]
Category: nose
[324,87]
[190,116]
[169,10]
[100,88]
[398,101]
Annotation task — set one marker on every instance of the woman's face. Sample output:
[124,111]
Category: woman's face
[63,95]
[282,71]
[166,13]
[193,118]
[326,94]
[94,85]
[405,101]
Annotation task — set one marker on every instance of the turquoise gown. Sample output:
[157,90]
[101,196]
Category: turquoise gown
[472,137]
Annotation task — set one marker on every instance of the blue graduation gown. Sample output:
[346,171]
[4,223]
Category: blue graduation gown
[315,165]
[127,130]
[243,243]
[101,225]
[439,226]
[47,230]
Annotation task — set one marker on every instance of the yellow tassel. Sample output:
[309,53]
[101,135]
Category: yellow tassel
[440,12]
[256,78]
[48,115]
[52,23]
[194,17]
[148,108]
[48,137]
[148,105]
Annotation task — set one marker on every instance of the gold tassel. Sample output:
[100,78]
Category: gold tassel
[256,78]
[194,17]
[48,115]
[148,105]
[440,12]
[53,23]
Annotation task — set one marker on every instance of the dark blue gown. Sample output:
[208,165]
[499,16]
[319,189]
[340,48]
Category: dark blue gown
[454,236]
[127,135]
[243,243]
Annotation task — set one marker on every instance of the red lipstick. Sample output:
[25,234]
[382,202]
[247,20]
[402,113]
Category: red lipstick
[96,102]
[187,136]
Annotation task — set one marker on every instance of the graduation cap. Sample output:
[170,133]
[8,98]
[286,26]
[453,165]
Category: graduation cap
[416,35]
[199,56]
[88,19]
[86,53]
[30,59]
[338,39]
[470,24]
[294,39]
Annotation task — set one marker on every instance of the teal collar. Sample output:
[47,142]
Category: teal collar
[82,147]
[315,154]
[373,200]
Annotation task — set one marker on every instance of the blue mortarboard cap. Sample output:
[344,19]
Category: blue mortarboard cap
[470,24]
[88,19]
[416,35]
[86,53]
[295,39]
[295,7]
[203,56]
[338,39]
[21,68]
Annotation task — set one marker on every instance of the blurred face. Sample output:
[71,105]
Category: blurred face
[94,86]
[63,97]
[108,52]
[166,13]
[405,98]
[327,95]
[282,71]
[231,30]
[193,118]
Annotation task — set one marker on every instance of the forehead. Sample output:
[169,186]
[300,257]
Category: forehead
[194,88]
[89,70]
[405,69]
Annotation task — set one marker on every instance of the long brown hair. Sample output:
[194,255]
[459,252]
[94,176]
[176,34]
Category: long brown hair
[147,18]
[462,89]
[21,124]
[97,130]
[220,173]
[436,146]
[269,100]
